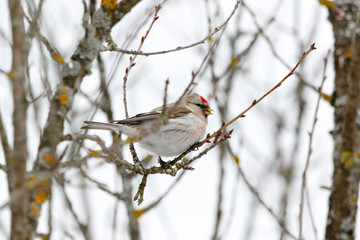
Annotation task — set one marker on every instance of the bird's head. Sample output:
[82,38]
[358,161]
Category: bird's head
[198,105]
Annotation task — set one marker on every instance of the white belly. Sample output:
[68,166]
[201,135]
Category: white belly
[175,137]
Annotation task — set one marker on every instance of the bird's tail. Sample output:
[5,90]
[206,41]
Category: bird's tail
[101,126]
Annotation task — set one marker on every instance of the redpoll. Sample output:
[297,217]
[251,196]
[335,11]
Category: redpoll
[168,134]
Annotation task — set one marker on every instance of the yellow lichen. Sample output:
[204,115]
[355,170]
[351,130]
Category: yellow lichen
[48,158]
[63,97]
[327,3]
[132,139]
[326,97]
[347,158]
[236,159]
[56,56]
[95,153]
[44,182]
[110,3]
[233,62]
[11,74]
[43,236]
[40,197]
[349,54]
[138,213]
[30,184]
[35,210]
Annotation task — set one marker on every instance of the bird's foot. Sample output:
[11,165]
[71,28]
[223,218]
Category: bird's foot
[196,146]
[163,164]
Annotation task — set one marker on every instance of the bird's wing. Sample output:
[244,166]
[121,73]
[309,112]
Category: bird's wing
[153,115]
[139,118]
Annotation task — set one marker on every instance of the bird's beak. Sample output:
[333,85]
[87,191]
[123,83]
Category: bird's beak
[208,111]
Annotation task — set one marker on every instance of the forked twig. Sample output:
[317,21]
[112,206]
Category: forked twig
[261,201]
[210,52]
[179,48]
[242,114]
[256,101]
[132,59]
[127,70]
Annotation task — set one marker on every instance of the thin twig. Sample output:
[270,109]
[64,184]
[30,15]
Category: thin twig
[127,70]
[50,215]
[210,52]
[255,102]
[205,151]
[179,48]
[165,98]
[84,228]
[311,133]
[242,114]
[4,142]
[271,45]
[139,196]
[54,53]
[105,103]
[261,201]
[92,8]
[3,168]
[132,59]
[5,73]
[102,186]
[85,17]
[311,215]
[109,153]
[172,171]
[220,196]
[169,189]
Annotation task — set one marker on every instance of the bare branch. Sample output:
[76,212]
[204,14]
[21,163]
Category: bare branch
[311,133]
[210,52]
[73,73]
[179,48]
[84,228]
[165,99]
[261,201]
[132,59]
[256,101]
[139,196]
[128,69]
[102,186]
[8,152]
[152,205]
[16,164]
[242,114]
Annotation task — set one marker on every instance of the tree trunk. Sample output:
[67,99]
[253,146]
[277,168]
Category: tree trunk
[16,162]
[343,199]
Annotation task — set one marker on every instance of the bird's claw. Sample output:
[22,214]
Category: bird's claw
[163,164]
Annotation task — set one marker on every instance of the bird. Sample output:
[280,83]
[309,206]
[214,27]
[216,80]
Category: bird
[168,133]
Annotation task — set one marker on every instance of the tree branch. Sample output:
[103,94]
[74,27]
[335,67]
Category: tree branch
[311,134]
[73,73]
[343,200]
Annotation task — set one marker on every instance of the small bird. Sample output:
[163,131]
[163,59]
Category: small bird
[165,134]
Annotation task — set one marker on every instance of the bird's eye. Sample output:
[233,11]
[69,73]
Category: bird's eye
[199,105]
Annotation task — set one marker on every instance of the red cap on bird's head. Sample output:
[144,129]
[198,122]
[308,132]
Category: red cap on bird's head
[203,99]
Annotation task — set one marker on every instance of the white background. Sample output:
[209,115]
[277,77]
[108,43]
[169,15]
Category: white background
[189,211]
